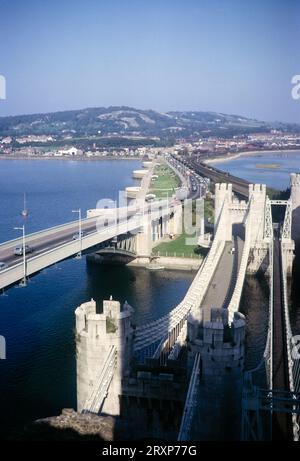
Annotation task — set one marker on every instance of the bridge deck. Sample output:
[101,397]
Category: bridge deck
[221,288]
[43,241]
[282,424]
[56,244]
[239,186]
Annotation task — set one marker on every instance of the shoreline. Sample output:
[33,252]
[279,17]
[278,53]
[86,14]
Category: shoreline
[249,153]
[169,263]
[66,159]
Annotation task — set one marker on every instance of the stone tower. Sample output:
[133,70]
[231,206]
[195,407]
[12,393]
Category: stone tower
[95,334]
[222,351]
[295,196]
[257,197]
[223,197]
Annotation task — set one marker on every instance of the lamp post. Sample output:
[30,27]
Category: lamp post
[23,282]
[80,232]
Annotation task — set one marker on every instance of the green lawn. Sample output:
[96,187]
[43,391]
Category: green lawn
[166,183]
[164,186]
[179,248]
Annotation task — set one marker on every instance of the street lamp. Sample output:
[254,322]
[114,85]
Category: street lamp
[80,232]
[23,282]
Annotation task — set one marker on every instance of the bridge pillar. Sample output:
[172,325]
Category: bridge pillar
[156,227]
[256,230]
[257,199]
[144,239]
[288,256]
[222,191]
[95,334]
[175,220]
[295,197]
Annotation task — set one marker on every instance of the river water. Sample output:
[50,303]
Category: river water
[270,168]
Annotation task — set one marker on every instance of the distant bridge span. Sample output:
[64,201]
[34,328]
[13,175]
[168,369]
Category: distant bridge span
[57,244]
[239,186]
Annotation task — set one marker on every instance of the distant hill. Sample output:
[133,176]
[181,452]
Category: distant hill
[126,121]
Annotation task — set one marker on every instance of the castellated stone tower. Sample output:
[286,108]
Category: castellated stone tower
[257,196]
[223,193]
[295,196]
[222,350]
[95,334]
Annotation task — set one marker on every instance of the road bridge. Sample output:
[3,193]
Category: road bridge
[147,222]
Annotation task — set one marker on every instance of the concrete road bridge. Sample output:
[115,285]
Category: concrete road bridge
[135,228]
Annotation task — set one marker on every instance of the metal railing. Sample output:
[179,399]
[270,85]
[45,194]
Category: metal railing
[267,359]
[178,254]
[152,332]
[237,293]
[293,365]
[190,402]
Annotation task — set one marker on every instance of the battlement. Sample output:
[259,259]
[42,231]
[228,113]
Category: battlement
[238,206]
[223,187]
[217,332]
[84,312]
[236,201]
[88,320]
[257,189]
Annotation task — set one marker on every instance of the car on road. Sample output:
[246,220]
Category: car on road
[3,266]
[77,236]
[18,251]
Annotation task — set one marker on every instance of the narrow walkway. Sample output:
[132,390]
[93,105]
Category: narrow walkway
[282,424]
[221,288]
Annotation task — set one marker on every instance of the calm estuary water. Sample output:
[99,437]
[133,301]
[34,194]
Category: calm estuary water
[271,168]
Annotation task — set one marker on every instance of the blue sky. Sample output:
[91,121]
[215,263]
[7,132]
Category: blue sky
[229,56]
